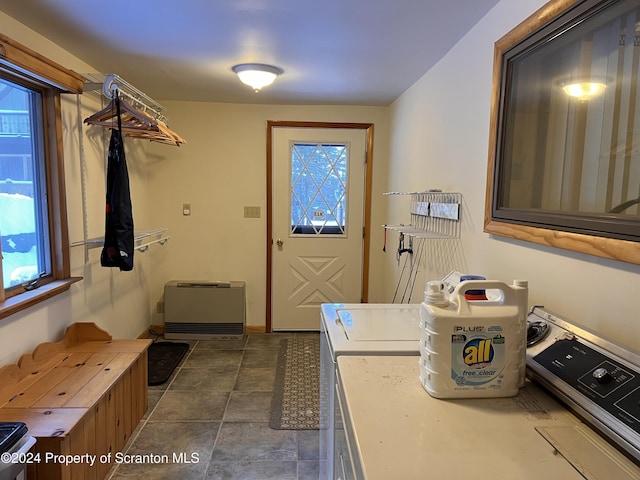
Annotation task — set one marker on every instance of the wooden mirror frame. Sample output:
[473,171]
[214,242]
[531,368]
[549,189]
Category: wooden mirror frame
[611,248]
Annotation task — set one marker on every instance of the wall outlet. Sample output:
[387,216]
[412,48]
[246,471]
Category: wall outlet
[160,307]
[251,212]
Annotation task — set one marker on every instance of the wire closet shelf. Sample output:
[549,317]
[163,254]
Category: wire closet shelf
[112,84]
[142,240]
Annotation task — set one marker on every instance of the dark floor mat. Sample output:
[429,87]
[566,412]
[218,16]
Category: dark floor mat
[164,357]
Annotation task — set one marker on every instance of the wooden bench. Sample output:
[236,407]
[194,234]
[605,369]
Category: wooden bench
[84,395]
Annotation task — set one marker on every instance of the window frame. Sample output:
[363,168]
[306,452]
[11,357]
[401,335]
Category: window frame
[20,64]
[577,233]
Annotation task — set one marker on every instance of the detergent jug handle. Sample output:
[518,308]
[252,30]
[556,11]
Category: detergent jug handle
[510,294]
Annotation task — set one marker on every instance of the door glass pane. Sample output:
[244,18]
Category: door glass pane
[319,188]
[23,212]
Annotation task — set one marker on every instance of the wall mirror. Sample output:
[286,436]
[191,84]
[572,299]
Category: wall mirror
[564,149]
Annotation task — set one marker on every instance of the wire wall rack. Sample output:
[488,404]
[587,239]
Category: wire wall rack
[434,215]
[433,230]
[111,84]
[142,240]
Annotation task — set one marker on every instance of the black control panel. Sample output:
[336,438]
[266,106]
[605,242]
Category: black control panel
[613,387]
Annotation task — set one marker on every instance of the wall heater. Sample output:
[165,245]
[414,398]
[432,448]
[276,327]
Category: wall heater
[195,310]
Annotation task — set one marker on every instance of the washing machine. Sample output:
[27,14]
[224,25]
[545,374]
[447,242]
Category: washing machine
[358,329]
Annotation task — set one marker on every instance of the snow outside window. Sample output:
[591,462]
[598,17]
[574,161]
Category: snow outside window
[319,188]
[24,231]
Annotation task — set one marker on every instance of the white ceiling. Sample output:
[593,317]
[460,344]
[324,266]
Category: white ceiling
[358,52]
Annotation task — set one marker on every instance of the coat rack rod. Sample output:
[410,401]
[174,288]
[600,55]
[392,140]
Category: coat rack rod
[145,246]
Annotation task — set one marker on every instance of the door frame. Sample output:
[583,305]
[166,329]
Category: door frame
[368,128]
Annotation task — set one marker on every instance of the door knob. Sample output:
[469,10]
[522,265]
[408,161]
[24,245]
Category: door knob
[279,242]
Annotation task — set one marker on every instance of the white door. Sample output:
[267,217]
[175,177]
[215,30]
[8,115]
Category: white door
[318,190]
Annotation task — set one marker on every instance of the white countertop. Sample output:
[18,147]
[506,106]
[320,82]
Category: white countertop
[401,432]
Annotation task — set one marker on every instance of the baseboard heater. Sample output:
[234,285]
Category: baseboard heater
[197,310]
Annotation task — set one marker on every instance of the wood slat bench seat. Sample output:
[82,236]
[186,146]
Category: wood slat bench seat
[83,395]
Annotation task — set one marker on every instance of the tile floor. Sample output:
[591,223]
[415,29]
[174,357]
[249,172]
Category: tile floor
[215,408]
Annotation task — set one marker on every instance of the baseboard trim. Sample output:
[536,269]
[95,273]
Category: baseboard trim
[159,329]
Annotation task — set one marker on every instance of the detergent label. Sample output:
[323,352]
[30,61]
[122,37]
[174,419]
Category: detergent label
[477,356]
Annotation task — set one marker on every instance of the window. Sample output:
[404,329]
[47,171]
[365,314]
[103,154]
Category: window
[318,188]
[33,222]
[23,208]
[564,165]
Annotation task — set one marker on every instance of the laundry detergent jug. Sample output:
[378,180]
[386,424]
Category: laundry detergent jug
[473,349]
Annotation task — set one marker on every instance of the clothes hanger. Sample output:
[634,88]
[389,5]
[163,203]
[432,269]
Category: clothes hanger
[127,112]
[135,123]
[159,133]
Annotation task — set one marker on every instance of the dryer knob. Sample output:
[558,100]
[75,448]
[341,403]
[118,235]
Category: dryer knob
[602,375]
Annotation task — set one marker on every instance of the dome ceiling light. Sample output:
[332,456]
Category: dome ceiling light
[584,90]
[256,75]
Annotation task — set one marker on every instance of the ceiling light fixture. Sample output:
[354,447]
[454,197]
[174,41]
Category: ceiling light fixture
[256,75]
[584,90]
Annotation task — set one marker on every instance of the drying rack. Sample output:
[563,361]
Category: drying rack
[435,216]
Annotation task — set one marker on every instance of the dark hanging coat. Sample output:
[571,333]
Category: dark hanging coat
[118,237]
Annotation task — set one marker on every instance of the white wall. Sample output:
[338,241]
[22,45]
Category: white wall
[221,169]
[116,301]
[439,139]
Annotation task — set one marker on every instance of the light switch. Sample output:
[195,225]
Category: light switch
[186,209]
[251,212]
